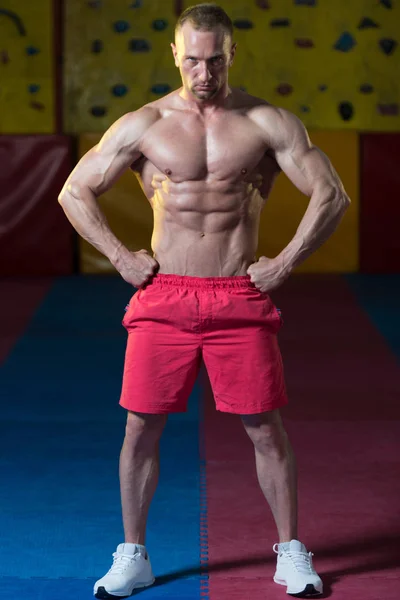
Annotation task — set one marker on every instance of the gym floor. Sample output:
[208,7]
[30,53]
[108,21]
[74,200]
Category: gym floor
[210,531]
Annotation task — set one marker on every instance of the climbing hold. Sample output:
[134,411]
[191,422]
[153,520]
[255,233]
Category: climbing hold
[121,26]
[37,105]
[160,24]
[5,59]
[388,110]
[280,23]
[136,4]
[284,89]
[263,4]
[136,45]
[97,46]
[98,111]
[387,3]
[94,3]
[388,45]
[33,88]
[243,24]
[323,87]
[367,23]
[346,110]
[243,88]
[366,88]
[304,108]
[304,43]
[119,90]
[15,18]
[161,88]
[306,2]
[31,50]
[345,43]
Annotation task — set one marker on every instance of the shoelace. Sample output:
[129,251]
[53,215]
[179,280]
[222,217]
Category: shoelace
[122,561]
[301,561]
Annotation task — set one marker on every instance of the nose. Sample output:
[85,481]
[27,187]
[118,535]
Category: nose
[205,74]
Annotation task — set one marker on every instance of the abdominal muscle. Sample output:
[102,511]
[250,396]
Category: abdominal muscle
[205,229]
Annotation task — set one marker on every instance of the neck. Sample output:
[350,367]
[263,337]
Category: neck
[221,100]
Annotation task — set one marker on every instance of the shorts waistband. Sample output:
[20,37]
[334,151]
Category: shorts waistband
[238,281]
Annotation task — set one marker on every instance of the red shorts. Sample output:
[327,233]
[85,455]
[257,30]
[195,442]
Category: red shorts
[175,321]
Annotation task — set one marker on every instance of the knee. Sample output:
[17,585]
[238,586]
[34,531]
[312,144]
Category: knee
[144,430]
[271,439]
[268,437]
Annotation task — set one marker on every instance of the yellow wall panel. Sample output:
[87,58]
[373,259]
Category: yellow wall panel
[287,205]
[89,77]
[26,47]
[131,218]
[266,57]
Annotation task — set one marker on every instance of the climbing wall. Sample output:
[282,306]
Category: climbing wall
[26,67]
[334,64]
[117,59]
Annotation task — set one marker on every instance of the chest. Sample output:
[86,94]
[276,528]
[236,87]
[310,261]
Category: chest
[185,149]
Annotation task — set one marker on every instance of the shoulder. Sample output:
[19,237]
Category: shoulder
[264,114]
[131,126]
[268,115]
[163,106]
[145,116]
[278,125]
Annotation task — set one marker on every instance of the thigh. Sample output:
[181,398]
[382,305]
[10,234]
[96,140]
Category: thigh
[162,359]
[243,358]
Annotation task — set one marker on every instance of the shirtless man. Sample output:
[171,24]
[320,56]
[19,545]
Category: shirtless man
[206,156]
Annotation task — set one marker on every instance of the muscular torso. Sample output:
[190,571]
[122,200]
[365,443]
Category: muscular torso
[207,180]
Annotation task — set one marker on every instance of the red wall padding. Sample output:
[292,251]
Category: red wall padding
[380,202]
[35,236]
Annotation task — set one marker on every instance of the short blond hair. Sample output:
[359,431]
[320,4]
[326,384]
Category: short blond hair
[205,17]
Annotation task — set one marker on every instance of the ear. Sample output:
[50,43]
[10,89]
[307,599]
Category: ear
[233,52]
[175,53]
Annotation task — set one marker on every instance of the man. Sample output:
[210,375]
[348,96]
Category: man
[206,156]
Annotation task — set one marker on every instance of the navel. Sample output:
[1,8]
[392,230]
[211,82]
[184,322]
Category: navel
[168,171]
[244,171]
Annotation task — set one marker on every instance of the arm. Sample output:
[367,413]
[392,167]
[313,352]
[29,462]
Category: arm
[95,173]
[312,173]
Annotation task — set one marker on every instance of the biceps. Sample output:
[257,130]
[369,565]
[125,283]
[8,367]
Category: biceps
[98,170]
[308,167]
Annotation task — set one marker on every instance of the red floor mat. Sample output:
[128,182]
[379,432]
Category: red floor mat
[20,297]
[343,423]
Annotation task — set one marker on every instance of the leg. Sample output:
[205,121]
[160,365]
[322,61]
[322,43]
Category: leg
[276,469]
[138,471]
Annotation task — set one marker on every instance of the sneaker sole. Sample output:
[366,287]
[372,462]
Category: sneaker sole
[309,590]
[102,594]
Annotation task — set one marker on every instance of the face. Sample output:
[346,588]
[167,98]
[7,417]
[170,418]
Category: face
[204,59]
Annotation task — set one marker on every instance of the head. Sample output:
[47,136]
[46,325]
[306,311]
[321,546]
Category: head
[203,50]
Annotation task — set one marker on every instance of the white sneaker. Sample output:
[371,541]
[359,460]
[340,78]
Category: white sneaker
[131,570]
[295,570]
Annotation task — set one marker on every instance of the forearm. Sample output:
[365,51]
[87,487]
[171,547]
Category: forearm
[323,215]
[89,221]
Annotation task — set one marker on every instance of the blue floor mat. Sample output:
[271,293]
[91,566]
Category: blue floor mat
[379,296]
[61,431]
